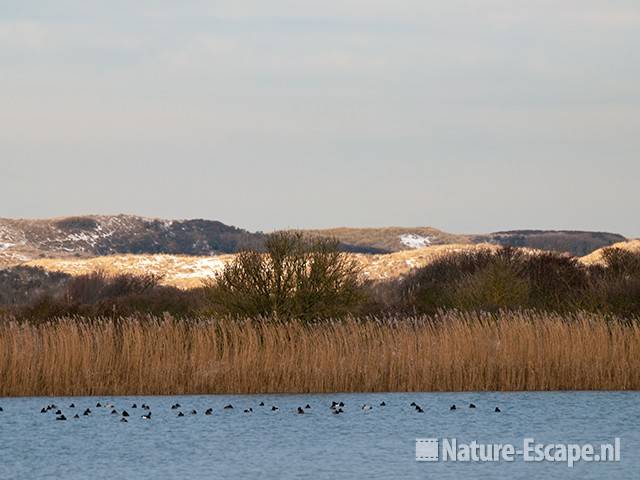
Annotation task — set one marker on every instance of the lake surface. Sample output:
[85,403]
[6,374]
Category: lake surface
[375,444]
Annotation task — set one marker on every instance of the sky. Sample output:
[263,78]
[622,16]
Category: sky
[469,116]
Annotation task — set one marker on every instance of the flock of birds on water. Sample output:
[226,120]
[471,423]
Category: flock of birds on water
[336,408]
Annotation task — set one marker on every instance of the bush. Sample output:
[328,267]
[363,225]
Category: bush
[295,278]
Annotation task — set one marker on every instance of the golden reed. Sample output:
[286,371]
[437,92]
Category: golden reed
[449,352]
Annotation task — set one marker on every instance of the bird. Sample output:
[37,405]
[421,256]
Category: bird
[261,404]
[134,405]
[114,412]
[76,416]
[125,413]
[274,408]
[208,411]
[193,412]
[452,407]
[175,406]
[419,409]
[146,407]
[307,406]
[44,410]
[383,404]
[248,410]
[73,405]
[413,404]
[300,411]
[180,414]
[471,405]
[228,407]
[497,410]
[61,417]
[146,416]
[341,404]
[336,411]
[124,420]
[87,412]
[98,405]
[58,412]
[366,407]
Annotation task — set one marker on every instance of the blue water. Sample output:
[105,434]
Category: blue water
[378,444]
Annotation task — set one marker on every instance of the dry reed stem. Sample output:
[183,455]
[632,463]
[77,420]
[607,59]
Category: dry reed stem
[450,352]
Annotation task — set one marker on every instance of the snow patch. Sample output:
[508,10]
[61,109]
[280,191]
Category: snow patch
[413,240]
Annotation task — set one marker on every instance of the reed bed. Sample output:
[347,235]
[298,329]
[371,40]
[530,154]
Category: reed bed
[447,352]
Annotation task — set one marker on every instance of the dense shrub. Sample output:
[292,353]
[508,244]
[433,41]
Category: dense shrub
[296,277]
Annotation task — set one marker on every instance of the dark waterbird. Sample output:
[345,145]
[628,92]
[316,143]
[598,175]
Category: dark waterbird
[175,406]
[193,412]
[452,407]
[125,413]
[209,411]
[61,417]
[44,410]
[76,416]
[58,412]
[248,410]
[274,408]
[300,411]
[497,410]
[307,406]
[73,405]
[134,405]
[87,412]
[114,412]
[261,404]
[471,405]
[228,407]
[146,407]
[180,414]
[413,404]
[98,405]
[146,416]
[124,420]
[419,409]
[383,404]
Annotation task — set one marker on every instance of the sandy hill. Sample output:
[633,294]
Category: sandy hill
[596,256]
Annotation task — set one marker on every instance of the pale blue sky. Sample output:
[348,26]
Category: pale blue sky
[468,116]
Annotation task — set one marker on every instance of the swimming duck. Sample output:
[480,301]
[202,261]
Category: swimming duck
[497,410]
[114,412]
[73,405]
[146,416]
[146,407]
[61,417]
[300,411]
[87,412]
[228,407]
[307,406]
[193,412]
[58,412]
[452,407]
[134,406]
[366,407]
[125,413]
[471,405]
[274,408]
[261,404]
[383,404]
[44,410]
[419,409]
[76,416]
[175,406]
[413,404]
[180,414]
[124,420]
[248,410]
[98,405]
[209,411]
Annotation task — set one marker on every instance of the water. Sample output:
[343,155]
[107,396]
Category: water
[379,444]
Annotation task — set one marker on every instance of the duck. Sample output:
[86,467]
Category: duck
[336,411]
[383,404]
[300,411]
[175,406]
[228,407]
[307,406]
[87,412]
[146,407]
[193,412]
[125,413]
[413,404]
[124,420]
[98,405]
[452,407]
[209,411]
[248,410]
[472,405]
[58,412]
[366,407]
[497,410]
[114,412]
[61,417]
[146,416]
[180,414]
[134,405]
[261,404]
[76,416]
[419,409]
[274,408]
[44,410]
[73,405]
